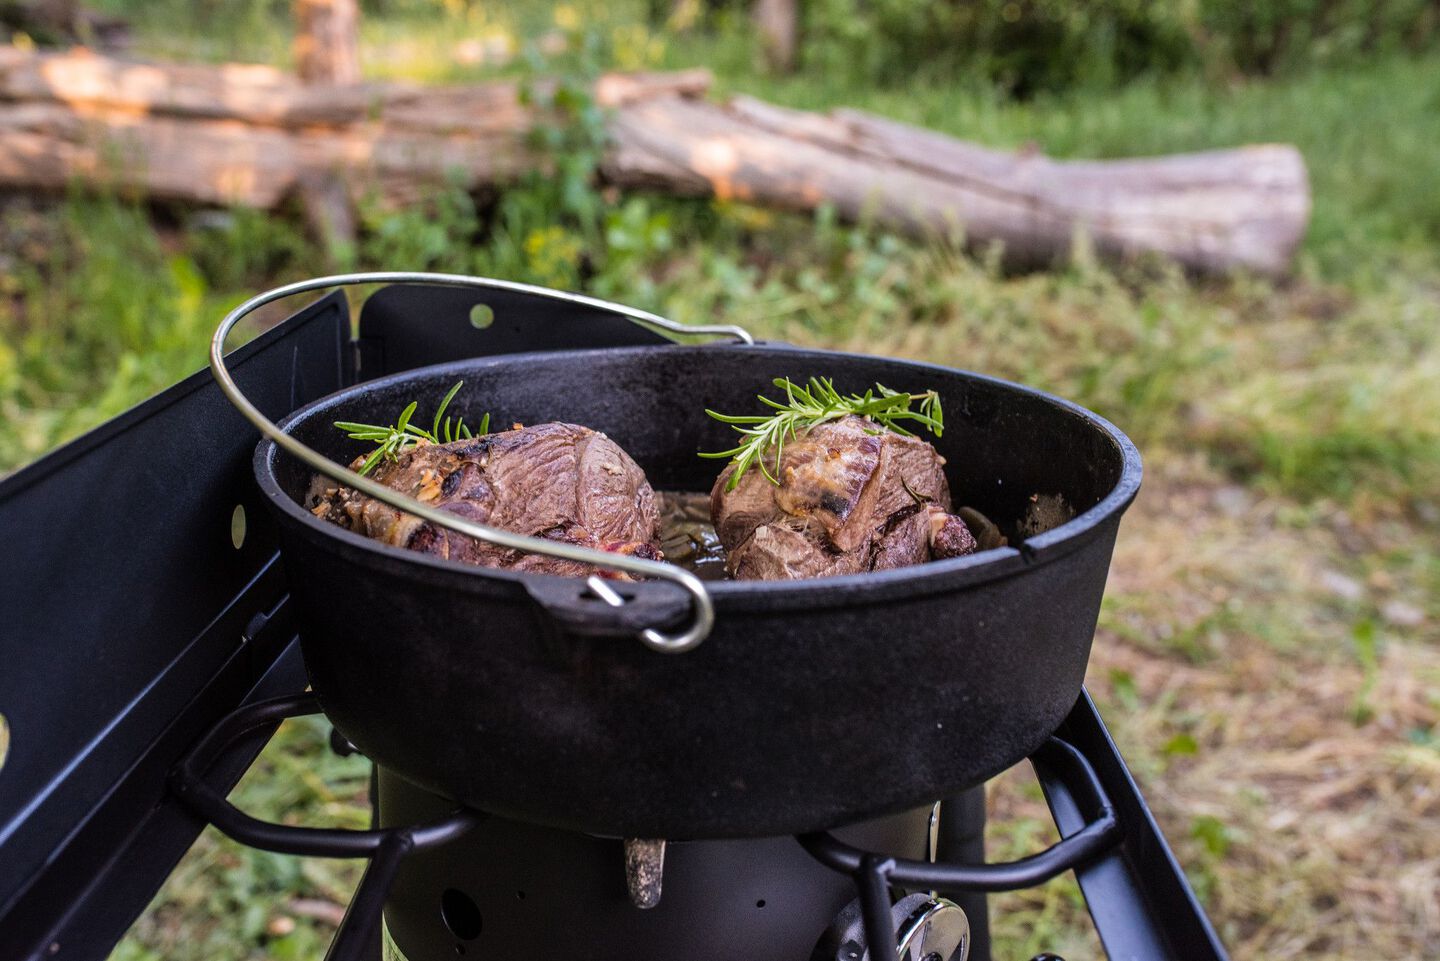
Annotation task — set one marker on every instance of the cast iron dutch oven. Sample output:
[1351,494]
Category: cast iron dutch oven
[809,704]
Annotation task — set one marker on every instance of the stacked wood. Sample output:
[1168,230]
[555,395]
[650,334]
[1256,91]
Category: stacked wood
[254,136]
[249,135]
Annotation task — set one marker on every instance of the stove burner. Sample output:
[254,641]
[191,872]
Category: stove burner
[459,876]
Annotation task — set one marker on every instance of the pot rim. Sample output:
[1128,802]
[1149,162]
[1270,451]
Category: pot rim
[842,590]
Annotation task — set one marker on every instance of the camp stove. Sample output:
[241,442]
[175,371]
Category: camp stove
[150,651]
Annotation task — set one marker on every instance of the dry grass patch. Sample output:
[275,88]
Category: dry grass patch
[1283,730]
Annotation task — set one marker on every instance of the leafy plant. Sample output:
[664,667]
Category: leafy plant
[402,435]
[437,233]
[1029,48]
[809,406]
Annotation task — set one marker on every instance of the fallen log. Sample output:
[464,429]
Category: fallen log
[253,136]
[1211,211]
[265,96]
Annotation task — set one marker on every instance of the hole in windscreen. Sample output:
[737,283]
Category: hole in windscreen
[237,526]
[481,316]
[460,914]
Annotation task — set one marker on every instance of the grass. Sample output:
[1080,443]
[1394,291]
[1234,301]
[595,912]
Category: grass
[1269,651]
[226,901]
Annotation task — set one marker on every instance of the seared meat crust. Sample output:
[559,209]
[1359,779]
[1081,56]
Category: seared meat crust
[557,481]
[851,498]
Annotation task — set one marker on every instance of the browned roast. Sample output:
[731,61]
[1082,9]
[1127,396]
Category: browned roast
[556,481]
[851,498]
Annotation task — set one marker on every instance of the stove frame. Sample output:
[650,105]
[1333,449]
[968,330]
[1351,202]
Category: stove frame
[119,671]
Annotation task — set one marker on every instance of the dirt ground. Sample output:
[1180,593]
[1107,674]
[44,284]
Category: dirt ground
[1283,733]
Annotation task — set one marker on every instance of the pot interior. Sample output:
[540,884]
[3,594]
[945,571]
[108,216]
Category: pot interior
[1003,444]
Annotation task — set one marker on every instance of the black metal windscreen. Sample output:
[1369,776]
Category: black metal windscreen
[128,589]
[405,326]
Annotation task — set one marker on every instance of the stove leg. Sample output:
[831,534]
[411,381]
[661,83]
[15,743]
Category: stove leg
[962,841]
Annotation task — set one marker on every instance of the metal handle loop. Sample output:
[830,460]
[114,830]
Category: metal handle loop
[704,608]
[1099,834]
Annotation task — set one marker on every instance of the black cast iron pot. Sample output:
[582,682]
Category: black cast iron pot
[811,704]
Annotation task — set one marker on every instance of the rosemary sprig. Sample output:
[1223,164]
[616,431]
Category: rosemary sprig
[813,404]
[402,435]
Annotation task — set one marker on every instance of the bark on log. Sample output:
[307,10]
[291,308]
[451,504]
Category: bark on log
[1211,211]
[262,95]
[49,145]
[250,135]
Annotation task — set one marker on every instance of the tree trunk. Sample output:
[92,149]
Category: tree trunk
[327,41]
[327,54]
[779,24]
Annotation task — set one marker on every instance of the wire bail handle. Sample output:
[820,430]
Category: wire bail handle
[703,607]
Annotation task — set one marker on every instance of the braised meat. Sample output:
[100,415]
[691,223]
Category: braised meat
[556,481]
[851,498]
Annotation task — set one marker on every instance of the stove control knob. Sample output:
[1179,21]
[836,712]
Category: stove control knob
[926,929]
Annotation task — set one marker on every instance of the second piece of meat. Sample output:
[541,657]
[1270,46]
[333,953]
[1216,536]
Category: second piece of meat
[852,497]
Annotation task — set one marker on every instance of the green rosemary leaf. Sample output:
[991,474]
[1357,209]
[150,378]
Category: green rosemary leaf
[815,402]
[399,437]
[721,453]
[371,461]
[737,418]
[440,411]
[405,416]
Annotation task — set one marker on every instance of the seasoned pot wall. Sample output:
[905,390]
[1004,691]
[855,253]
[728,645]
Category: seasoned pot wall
[811,704]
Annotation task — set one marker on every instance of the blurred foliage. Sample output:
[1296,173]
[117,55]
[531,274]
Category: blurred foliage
[96,313]
[1022,47]
[1019,47]
[1026,47]
[1265,37]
